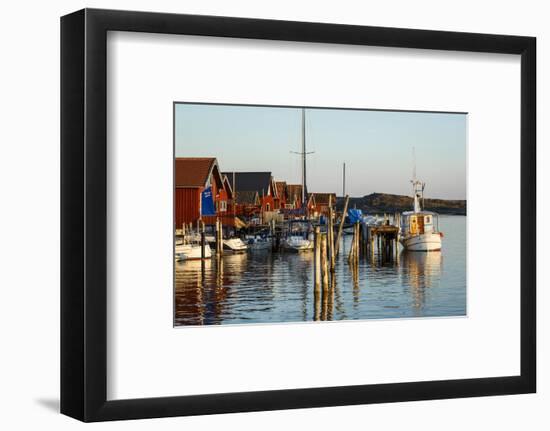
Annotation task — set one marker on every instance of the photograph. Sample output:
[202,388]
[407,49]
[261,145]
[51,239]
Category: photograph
[307,214]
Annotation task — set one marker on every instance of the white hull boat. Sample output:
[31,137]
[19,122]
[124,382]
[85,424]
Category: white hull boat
[235,245]
[192,252]
[422,242]
[419,229]
[299,243]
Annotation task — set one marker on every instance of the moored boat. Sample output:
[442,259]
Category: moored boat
[298,243]
[192,251]
[235,245]
[419,229]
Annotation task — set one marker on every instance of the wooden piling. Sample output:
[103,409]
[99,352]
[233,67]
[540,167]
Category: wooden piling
[317,260]
[217,237]
[353,250]
[324,262]
[325,274]
[220,240]
[341,227]
[357,243]
[331,235]
[371,235]
[203,243]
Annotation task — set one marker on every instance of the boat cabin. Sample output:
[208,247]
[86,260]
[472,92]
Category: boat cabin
[418,223]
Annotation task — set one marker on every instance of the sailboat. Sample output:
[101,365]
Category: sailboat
[419,228]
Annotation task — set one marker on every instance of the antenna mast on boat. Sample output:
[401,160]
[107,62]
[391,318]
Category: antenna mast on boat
[414,165]
[418,187]
[303,153]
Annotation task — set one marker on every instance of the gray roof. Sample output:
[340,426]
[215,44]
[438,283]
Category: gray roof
[250,181]
[246,197]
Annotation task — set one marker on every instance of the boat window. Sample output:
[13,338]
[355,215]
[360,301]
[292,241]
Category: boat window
[428,219]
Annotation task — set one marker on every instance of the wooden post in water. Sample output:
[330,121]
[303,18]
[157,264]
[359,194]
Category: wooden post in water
[203,243]
[221,238]
[351,248]
[317,259]
[341,227]
[317,273]
[331,234]
[324,261]
[217,237]
[325,275]
[203,252]
[371,235]
[357,247]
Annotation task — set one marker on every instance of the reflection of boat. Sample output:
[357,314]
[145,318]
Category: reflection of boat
[419,229]
[298,243]
[192,251]
[236,245]
[422,269]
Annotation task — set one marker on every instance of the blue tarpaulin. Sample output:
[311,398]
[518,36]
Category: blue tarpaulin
[355,215]
[207,203]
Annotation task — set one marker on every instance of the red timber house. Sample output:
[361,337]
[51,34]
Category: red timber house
[294,196]
[320,202]
[193,175]
[281,196]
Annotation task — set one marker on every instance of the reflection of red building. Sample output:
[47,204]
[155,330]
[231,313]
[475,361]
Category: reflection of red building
[192,176]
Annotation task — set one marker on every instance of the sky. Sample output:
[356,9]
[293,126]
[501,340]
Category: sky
[376,146]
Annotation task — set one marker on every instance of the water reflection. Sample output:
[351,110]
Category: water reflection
[420,271]
[270,287]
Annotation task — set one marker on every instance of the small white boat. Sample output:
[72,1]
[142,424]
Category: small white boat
[236,245]
[192,251]
[419,229]
[298,243]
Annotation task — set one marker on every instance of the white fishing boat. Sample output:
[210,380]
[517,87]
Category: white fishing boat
[235,245]
[191,251]
[299,243]
[419,230]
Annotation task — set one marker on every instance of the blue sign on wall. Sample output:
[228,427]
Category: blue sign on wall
[207,202]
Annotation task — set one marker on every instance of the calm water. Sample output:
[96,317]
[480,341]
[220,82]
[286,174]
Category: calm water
[265,287]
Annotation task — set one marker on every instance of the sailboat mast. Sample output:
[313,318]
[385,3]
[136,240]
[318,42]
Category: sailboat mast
[304,154]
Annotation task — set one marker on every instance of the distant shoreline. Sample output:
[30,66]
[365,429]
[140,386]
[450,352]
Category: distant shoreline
[388,203]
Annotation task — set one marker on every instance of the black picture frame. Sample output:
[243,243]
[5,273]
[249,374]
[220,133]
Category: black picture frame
[84,214]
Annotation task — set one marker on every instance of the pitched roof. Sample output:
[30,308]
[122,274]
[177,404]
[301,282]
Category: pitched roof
[195,171]
[323,198]
[294,191]
[246,197]
[280,186]
[228,187]
[251,181]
